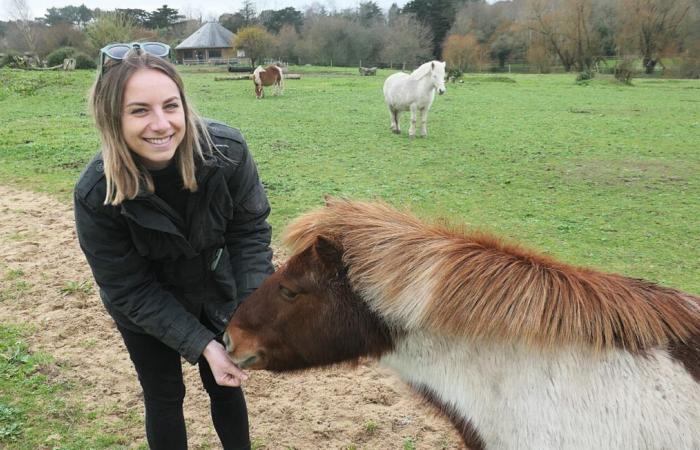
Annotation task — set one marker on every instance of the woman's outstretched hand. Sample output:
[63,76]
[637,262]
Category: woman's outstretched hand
[225,372]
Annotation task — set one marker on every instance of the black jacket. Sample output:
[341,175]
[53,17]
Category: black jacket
[153,279]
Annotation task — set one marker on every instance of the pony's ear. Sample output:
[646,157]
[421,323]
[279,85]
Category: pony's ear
[432,65]
[328,250]
[328,199]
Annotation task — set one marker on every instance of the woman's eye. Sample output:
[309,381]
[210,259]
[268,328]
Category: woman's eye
[172,106]
[137,111]
[287,293]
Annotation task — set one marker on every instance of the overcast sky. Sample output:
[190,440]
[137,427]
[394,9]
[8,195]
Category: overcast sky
[189,8]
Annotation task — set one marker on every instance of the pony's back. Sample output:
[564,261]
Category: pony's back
[396,90]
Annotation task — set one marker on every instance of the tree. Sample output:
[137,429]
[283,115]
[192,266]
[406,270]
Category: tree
[393,13]
[651,27]
[21,13]
[255,41]
[502,47]
[605,22]
[248,13]
[462,52]
[76,15]
[408,42]
[286,43]
[370,14]
[479,19]
[109,27]
[275,20]
[232,22]
[139,17]
[567,28]
[438,15]
[62,34]
[163,17]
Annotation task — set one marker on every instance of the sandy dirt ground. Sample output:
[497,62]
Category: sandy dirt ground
[365,407]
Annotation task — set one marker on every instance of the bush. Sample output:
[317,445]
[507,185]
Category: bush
[623,71]
[585,76]
[57,56]
[10,59]
[454,74]
[690,67]
[83,61]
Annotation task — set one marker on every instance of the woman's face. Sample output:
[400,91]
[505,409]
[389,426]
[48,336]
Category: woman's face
[153,118]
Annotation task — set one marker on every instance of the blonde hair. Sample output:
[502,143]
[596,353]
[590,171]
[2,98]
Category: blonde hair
[124,174]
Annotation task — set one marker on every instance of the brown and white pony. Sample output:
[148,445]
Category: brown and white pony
[520,351]
[268,76]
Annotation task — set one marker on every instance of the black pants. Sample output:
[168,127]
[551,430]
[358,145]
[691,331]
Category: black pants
[159,369]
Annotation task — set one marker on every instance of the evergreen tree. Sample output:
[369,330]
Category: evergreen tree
[438,15]
[163,17]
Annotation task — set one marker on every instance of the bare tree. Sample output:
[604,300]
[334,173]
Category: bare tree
[462,52]
[20,12]
[651,27]
[408,42]
[250,16]
[567,28]
[478,19]
[286,43]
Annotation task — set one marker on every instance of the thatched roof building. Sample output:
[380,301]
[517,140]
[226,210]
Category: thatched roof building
[211,43]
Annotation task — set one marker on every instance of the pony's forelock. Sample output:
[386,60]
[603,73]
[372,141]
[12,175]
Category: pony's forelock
[464,282]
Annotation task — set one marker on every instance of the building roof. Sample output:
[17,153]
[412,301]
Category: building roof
[209,35]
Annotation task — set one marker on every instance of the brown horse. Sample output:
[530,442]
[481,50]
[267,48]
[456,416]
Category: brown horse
[520,351]
[269,76]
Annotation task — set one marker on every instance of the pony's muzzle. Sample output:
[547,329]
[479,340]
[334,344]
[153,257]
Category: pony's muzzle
[228,343]
[441,91]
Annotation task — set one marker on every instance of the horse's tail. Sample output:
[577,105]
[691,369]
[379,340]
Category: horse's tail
[279,70]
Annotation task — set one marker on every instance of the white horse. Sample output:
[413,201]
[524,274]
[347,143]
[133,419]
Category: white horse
[414,92]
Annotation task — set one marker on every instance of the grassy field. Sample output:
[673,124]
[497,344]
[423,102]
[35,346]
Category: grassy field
[598,174]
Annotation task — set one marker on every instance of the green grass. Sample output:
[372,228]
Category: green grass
[601,174]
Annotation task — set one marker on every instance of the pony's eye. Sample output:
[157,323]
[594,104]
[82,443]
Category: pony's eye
[287,293]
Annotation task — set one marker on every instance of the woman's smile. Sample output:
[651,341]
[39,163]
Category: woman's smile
[160,141]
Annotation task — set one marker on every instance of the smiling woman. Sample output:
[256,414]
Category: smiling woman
[172,219]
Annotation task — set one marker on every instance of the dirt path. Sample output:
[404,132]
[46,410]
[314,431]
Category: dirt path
[325,409]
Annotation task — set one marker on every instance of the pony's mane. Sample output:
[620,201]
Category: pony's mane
[468,283]
[422,71]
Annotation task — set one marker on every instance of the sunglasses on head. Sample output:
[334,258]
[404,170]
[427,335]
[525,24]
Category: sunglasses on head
[119,51]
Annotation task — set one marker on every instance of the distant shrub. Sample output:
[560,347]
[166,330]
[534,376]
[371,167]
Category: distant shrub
[9,59]
[624,71]
[57,56]
[83,61]
[454,74]
[690,67]
[585,76]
